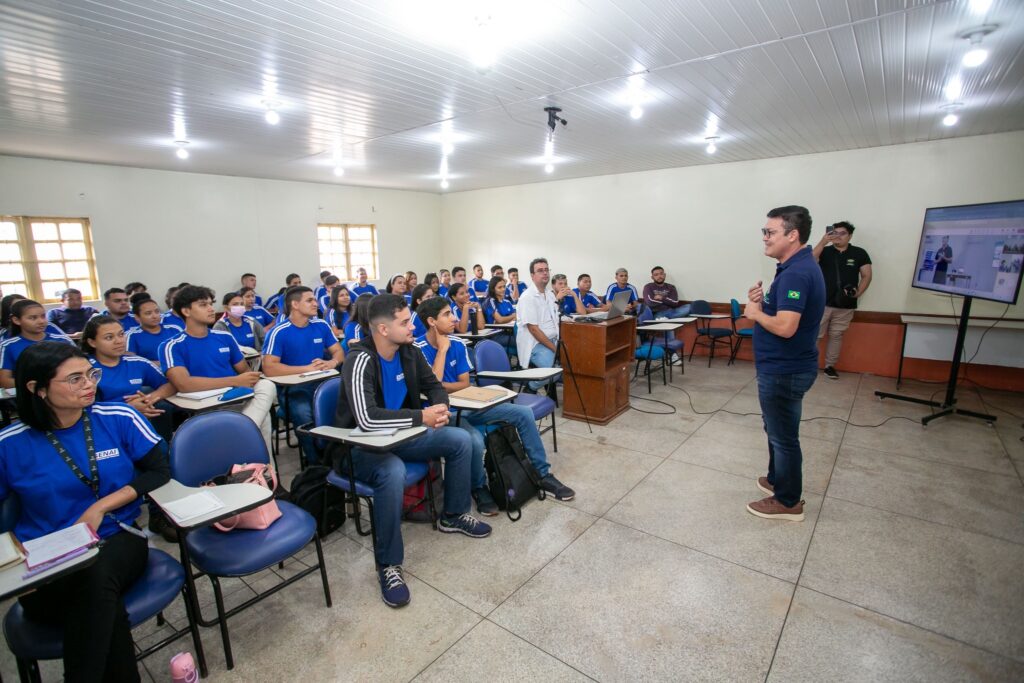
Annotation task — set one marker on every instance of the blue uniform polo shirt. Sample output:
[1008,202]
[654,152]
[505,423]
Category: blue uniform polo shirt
[798,286]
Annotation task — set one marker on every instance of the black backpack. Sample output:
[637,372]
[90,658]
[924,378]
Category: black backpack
[510,475]
[310,491]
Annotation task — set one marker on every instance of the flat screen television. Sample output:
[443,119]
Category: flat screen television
[973,250]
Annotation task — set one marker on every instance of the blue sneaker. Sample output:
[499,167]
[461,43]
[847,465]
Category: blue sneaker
[464,524]
[393,590]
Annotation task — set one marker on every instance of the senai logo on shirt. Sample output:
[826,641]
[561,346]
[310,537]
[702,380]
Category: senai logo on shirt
[793,294]
[107,454]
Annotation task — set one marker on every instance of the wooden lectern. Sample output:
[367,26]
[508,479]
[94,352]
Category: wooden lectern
[599,355]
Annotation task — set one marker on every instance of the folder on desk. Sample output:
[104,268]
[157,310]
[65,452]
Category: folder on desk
[59,547]
[479,394]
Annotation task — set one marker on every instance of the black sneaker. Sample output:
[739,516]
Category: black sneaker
[464,524]
[556,488]
[393,590]
[831,373]
[159,525]
[485,504]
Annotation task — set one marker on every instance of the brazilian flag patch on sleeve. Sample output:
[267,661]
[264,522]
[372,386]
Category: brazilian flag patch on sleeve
[793,294]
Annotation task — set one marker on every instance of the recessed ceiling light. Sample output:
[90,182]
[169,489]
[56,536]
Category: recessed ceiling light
[977,55]
[181,152]
[950,120]
[712,147]
[953,89]
[272,117]
[339,171]
[444,184]
[636,112]
[549,168]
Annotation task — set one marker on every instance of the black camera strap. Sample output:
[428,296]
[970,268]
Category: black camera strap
[93,480]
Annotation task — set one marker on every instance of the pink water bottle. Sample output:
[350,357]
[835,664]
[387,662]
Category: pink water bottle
[183,668]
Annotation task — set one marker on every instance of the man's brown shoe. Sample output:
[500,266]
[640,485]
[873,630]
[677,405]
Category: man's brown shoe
[771,508]
[765,486]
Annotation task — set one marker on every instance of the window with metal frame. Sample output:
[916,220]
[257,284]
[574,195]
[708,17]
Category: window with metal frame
[40,257]
[346,247]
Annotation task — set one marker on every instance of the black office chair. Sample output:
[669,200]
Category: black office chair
[715,336]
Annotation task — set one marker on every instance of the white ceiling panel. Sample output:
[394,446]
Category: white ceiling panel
[382,82]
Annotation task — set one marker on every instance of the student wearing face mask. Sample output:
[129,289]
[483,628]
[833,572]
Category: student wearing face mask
[245,330]
[145,340]
[253,309]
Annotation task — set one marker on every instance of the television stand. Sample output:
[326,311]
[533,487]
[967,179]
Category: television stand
[948,404]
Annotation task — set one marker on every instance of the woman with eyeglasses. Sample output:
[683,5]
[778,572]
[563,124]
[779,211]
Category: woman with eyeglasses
[71,460]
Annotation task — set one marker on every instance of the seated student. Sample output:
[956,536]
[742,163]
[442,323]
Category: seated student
[444,281]
[321,289]
[537,317]
[71,315]
[323,300]
[275,303]
[145,340]
[459,277]
[119,308]
[135,288]
[397,286]
[362,286]
[354,327]
[56,391]
[245,330]
[662,298]
[170,317]
[449,359]
[582,293]
[411,280]
[299,345]
[339,310]
[201,359]
[468,316]
[253,310]
[434,282]
[498,309]
[621,284]
[6,305]
[384,377]
[419,295]
[27,326]
[248,280]
[566,298]
[478,284]
[514,287]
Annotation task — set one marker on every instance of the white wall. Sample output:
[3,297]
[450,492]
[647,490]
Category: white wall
[702,223]
[163,227]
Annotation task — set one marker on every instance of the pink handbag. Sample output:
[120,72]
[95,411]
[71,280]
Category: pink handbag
[257,518]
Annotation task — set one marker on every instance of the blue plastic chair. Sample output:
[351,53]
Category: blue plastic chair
[204,447]
[741,333]
[325,405]
[714,335]
[161,582]
[668,341]
[491,357]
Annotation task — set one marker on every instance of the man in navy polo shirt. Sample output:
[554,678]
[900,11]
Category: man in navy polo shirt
[297,345]
[72,315]
[786,320]
[201,359]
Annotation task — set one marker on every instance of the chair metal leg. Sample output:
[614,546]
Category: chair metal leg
[432,505]
[554,434]
[160,621]
[28,671]
[192,610]
[223,621]
[323,569]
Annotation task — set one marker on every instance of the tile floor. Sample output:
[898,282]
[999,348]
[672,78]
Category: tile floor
[908,566]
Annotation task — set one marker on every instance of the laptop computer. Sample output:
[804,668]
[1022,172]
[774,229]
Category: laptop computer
[618,307]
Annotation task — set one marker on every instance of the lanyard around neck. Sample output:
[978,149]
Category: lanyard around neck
[93,480]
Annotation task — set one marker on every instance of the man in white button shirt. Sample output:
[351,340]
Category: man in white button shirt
[537,318]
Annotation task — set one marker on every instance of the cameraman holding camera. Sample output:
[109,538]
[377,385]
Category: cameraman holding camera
[847,273]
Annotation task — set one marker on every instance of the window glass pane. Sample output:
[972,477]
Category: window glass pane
[363,247]
[359,233]
[52,289]
[364,259]
[8,231]
[48,251]
[337,233]
[51,271]
[74,251]
[10,251]
[71,231]
[16,288]
[323,233]
[77,269]
[11,272]
[44,231]
[83,286]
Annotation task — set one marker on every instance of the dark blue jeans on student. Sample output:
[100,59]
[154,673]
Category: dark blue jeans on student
[300,409]
[385,472]
[781,398]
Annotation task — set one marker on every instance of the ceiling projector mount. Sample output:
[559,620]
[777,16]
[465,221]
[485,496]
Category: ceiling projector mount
[553,118]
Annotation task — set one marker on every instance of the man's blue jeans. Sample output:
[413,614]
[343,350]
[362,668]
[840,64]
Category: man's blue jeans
[781,398]
[540,357]
[680,312]
[385,473]
[300,408]
[522,417]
